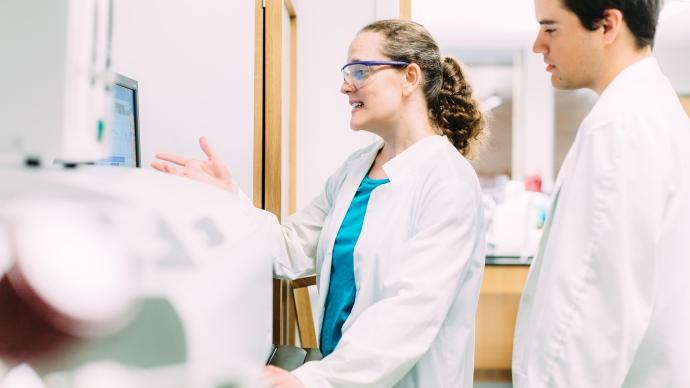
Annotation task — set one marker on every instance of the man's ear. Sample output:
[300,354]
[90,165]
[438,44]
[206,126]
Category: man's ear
[412,78]
[613,25]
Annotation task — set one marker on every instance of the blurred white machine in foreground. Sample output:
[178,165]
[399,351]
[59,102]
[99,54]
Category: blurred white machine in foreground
[111,277]
[130,278]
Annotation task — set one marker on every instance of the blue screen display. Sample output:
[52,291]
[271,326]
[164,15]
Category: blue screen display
[122,129]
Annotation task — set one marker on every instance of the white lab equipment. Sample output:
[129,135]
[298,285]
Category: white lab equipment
[54,79]
[111,276]
[165,280]
[515,221]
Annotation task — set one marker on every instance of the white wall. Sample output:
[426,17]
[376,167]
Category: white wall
[672,44]
[194,63]
[675,63]
[194,60]
[324,137]
[533,120]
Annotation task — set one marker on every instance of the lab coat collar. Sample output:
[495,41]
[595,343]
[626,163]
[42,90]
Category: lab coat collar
[635,74]
[626,86]
[622,87]
[405,164]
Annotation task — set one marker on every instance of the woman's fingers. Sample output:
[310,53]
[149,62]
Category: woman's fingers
[206,147]
[211,171]
[158,166]
[280,378]
[179,160]
[270,370]
[164,167]
[173,170]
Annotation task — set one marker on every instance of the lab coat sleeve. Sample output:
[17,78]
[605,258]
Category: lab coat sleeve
[294,243]
[390,336]
[603,256]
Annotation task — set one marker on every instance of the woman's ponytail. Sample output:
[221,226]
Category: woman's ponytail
[455,111]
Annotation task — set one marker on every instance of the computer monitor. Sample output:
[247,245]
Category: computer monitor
[124,127]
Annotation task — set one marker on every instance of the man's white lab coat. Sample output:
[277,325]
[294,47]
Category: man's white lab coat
[607,301]
[418,267]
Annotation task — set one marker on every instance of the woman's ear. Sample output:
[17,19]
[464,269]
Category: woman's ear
[412,78]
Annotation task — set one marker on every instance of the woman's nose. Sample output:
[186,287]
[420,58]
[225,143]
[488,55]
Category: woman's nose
[346,88]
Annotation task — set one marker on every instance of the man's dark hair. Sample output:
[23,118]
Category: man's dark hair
[641,16]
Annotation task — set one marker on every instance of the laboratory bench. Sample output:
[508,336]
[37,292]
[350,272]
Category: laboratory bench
[499,298]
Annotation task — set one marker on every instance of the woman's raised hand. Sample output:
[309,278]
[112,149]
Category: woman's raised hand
[211,171]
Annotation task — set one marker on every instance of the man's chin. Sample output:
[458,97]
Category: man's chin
[561,84]
[558,83]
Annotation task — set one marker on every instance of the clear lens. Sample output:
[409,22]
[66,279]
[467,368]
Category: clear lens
[355,74]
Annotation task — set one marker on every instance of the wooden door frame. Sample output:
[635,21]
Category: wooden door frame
[268,147]
[268,106]
[405,8]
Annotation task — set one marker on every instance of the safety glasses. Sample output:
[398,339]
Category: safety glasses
[355,73]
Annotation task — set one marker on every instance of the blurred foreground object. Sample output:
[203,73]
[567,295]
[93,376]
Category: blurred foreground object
[131,276]
[111,277]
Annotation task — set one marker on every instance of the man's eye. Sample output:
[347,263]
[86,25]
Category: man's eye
[550,30]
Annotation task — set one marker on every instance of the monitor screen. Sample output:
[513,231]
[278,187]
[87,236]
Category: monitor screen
[124,127]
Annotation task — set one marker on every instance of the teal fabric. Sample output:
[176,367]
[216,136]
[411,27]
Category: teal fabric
[341,290]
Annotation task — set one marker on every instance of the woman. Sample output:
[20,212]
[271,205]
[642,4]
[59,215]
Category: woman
[396,237]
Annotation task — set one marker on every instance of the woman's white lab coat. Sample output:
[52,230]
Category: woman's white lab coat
[418,266]
[607,301]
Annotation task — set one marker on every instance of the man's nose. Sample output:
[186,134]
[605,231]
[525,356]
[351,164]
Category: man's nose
[538,47]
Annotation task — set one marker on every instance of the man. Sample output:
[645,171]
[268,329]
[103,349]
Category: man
[607,301]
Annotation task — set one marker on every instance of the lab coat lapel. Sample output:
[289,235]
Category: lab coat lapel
[397,169]
[522,327]
[355,174]
[530,289]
